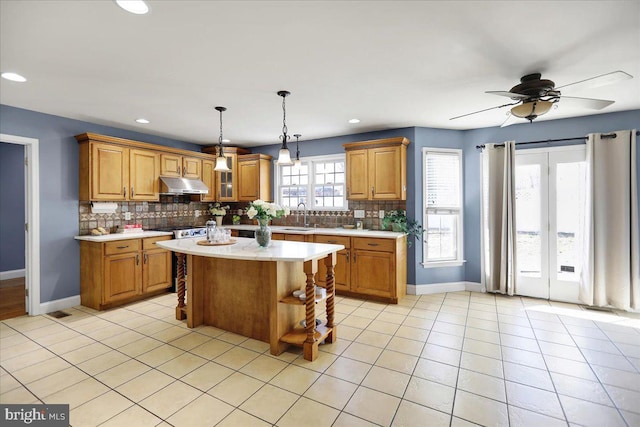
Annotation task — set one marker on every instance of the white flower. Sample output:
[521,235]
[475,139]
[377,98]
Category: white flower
[251,212]
[287,211]
[259,202]
[272,211]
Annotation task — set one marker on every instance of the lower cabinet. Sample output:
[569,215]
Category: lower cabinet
[374,267]
[120,271]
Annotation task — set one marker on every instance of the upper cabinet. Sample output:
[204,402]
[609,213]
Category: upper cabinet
[209,179]
[180,166]
[227,182]
[116,169]
[377,170]
[254,177]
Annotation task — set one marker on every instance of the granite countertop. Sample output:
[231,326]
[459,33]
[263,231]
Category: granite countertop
[331,231]
[248,249]
[123,236]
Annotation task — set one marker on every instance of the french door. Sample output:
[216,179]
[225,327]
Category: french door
[550,213]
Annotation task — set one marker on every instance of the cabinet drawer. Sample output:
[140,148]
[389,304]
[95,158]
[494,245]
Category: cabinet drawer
[373,244]
[150,242]
[334,240]
[121,246]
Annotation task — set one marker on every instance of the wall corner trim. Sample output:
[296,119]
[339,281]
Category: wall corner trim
[12,274]
[59,304]
[436,288]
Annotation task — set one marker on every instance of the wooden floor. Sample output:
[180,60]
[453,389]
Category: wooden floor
[12,298]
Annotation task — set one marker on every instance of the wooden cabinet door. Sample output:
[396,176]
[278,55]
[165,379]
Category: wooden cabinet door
[109,172]
[373,273]
[122,275]
[170,165]
[341,272]
[144,169]
[385,177]
[191,167]
[295,237]
[156,270]
[209,179]
[357,177]
[227,181]
[248,180]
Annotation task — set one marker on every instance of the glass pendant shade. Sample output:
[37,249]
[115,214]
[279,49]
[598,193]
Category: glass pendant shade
[297,163]
[284,157]
[532,109]
[221,164]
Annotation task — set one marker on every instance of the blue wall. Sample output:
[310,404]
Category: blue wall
[59,181]
[59,253]
[12,218]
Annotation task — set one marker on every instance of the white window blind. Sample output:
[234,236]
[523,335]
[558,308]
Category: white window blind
[442,207]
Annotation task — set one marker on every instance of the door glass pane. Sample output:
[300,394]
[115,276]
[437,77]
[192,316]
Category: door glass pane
[528,227]
[570,190]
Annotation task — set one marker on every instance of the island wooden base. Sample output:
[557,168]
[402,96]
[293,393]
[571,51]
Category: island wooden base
[253,299]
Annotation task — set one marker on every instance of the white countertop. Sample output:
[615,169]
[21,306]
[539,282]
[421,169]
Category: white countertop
[331,231]
[248,249]
[123,236]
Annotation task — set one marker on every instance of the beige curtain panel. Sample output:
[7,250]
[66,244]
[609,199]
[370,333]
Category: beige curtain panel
[611,274]
[498,218]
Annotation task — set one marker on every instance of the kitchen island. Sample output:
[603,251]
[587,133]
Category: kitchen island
[248,290]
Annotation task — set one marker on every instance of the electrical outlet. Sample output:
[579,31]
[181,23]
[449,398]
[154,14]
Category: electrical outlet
[380,214]
[358,213]
[127,216]
[196,213]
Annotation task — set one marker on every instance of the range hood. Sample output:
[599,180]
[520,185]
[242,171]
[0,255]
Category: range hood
[173,185]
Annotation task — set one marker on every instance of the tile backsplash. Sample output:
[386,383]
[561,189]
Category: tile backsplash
[175,211]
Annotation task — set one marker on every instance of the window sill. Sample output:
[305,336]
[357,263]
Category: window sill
[437,264]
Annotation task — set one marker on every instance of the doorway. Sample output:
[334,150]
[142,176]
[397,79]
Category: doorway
[30,220]
[550,214]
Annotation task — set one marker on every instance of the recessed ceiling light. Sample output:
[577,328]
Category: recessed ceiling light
[143,121]
[137,7]
[354,121]
[226,140]
[14,77]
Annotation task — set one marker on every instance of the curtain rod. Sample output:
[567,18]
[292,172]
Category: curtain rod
[549,141]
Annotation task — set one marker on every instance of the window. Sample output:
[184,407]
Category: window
[442,207]
[321,177]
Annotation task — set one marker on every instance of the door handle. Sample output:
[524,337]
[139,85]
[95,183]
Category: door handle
[347,257]
[137,259]
[124,191]
[179,173]
[373,191]
[332,241]
[123,247]
[355,255]
[132,193]
[373,244]
[146,258]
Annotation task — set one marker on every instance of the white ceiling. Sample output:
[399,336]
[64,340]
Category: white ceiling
[389,63]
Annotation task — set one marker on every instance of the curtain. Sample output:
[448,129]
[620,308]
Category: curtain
[611,274]
[498,218]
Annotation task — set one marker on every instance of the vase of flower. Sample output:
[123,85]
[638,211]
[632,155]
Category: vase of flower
[219,220]
[218,211]
[263,233]
[263,212]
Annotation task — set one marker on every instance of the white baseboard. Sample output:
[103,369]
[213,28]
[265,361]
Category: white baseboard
[59,304]
[12,274]
[437,288]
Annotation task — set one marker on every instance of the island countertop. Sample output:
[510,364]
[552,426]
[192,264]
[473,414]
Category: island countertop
[339,231]
[248,249]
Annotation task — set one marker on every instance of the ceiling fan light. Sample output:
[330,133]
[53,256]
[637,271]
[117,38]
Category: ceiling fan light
[532,109]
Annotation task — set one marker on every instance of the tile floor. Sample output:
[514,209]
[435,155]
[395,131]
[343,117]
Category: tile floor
[455,359]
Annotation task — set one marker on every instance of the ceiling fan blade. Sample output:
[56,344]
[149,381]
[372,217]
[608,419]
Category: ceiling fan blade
[593,104]
[601,80]
[482,111]
[507,94]
[511,119]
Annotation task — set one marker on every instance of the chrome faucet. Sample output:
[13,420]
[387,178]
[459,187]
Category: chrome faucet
[306,224]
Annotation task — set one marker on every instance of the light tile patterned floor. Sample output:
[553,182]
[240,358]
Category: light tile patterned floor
[454,359]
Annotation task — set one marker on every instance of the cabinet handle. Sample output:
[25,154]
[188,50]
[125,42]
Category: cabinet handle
[123,247]
[347,257]
[347,191]
[137,259]
[132,193]
[332,241]
[373,191]
[179,171]
[124,191]
[373,244]
[146,258]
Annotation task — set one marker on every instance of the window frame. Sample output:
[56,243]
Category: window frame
[311,161]
[459,260]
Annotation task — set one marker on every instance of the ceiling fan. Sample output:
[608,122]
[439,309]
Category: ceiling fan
[535,96]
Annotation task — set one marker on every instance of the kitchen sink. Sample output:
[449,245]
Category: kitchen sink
[297,229]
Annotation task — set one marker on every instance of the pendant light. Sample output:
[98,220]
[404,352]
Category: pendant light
[297,162]
[221,160]
[284,157]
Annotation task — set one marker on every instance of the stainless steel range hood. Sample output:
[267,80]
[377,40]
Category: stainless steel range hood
[173,185]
